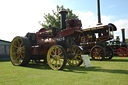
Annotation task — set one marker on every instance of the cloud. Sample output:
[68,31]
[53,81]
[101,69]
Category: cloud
[18,17]
[89,19]
[111,6]
[106,19]
[123,23]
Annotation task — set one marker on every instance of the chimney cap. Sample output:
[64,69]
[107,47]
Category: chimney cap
[63,10]
[99,23]
[122,29]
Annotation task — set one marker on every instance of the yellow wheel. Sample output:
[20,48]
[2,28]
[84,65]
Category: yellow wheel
[20,51]
[56,57]
[77,59]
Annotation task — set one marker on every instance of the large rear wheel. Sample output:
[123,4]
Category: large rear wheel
[20,51]
[56,57]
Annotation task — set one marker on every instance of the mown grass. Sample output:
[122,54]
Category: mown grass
[112,72]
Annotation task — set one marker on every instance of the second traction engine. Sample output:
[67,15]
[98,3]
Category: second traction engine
[120,48]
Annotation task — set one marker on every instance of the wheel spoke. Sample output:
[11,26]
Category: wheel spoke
[15,46]
[74,50]
[55,63]
[78,52]
[52,60]
[55,50]
[18,43]
[21,43]
[60,63]
[60,53]
[76,61]
[22,56]
[53,56]
[61,57]
[14,53]
[18,57]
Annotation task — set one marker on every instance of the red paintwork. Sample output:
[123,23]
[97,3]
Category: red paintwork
[74,31]
[43,46]
[74,23]
[45,41]
[36,50]
[43,33]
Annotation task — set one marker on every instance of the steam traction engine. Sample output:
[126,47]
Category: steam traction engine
[93,41]
[51,45]
[120,48]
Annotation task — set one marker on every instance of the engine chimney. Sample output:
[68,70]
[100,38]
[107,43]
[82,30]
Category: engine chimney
[123,35]
[98,12]
[63,13]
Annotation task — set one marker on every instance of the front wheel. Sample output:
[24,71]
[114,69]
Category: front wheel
[56,57]
[109,53]
[97,53]
[20,51]
[77,59]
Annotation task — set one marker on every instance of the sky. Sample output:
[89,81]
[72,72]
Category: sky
[18,17]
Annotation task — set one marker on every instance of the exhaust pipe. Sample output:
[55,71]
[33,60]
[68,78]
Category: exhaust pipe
[98,12]
[123,35]
[63,13]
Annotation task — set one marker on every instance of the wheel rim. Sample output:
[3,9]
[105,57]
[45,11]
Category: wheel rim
[97,53]
[122,52]
[17,51]
[56,58]
[77,60]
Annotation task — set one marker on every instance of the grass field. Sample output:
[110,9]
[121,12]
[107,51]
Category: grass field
[112,72]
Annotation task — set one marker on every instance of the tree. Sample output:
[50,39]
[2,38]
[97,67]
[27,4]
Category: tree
[54,19]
